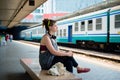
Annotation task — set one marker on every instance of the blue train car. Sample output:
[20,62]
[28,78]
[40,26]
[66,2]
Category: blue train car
[99,29]
[33,34]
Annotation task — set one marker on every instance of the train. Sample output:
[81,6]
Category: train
[98,29]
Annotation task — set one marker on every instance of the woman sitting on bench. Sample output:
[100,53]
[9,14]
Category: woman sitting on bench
[50,54]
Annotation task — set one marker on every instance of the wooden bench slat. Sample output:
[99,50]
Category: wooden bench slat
[34,70]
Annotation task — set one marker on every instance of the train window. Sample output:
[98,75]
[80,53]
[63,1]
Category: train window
[99,24]
[34,31]
[57,32]
[83,26]
[76,26]
[117,21]
[64,32]
[39,31]
[61,33]
[90,25]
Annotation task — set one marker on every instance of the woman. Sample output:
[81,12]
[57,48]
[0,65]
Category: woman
[50,54]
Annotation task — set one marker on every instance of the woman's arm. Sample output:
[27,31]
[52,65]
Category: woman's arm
[50,47]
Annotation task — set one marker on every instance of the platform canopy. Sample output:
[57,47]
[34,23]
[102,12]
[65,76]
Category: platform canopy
[13,11]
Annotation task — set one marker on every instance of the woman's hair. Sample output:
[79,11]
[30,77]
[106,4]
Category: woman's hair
[47,23]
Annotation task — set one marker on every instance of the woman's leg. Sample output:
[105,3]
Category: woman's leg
[69,62]
[75,64]
[65,60]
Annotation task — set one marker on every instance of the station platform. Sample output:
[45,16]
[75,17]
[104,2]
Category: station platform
[11,69]
[104,55]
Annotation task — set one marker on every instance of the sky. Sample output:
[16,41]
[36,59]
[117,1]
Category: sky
[73,5]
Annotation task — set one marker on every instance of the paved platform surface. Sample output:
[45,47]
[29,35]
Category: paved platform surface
[110,55]
[10,68]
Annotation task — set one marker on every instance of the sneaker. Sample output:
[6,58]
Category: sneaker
[83,70]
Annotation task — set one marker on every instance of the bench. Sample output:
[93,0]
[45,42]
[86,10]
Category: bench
[32,67]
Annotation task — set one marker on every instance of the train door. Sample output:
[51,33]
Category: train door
[70,33]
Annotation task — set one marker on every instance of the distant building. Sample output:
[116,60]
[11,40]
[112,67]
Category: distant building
[56,8]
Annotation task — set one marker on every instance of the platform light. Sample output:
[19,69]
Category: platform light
[31,2]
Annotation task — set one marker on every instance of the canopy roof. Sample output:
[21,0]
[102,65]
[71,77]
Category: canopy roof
[13,11]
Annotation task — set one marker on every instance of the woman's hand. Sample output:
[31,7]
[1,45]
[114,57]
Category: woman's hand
[70,53]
